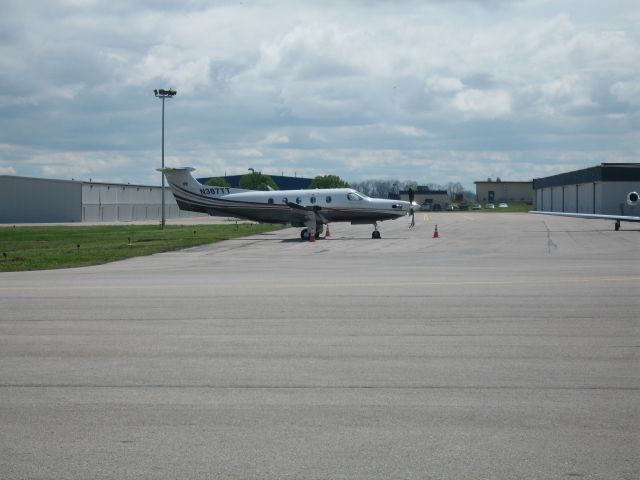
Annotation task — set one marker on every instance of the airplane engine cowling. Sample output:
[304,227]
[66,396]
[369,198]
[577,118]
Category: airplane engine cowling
[632,199]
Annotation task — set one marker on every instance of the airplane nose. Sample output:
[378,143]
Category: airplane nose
[402,205]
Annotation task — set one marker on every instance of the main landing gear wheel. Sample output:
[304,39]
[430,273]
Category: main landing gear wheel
[304,234]
[617,225]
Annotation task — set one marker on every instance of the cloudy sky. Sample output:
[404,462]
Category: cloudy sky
[431,91]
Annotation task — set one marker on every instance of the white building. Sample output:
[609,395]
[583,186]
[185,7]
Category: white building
[37,200]
[497,191]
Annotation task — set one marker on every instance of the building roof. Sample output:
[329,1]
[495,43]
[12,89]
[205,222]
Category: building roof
[502,181]
[84,182]
[605,172]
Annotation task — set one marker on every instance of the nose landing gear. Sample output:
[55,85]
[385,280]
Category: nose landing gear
[376,233]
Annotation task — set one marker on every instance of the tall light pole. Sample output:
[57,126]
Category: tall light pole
[161,93]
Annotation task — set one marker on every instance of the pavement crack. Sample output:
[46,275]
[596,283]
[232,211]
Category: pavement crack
[550,244]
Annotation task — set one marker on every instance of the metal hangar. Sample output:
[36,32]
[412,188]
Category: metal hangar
[602,189]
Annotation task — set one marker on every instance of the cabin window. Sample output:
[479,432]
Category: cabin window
[298,200]
[312,199]
[270,201]
[285,200]
[328,199]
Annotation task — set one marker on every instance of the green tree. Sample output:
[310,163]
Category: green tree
[328,181]
[218,182]
[257,181]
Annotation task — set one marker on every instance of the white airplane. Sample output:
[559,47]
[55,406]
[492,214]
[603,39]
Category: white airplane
[311,209]
[632,200]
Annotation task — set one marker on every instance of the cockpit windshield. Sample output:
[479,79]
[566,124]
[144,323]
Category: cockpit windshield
[355,196]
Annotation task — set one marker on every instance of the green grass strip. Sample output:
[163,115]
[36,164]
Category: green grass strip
[50,247]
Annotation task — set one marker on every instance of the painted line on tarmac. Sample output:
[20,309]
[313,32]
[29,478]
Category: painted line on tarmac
[317,286]
[320,387]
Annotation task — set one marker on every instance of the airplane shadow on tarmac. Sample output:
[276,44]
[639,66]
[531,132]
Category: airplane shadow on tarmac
[341,239]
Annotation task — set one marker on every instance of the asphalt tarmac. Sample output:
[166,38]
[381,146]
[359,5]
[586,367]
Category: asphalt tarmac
[508,348]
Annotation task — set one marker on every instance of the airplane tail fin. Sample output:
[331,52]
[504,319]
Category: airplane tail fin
[181,177]
[192,195]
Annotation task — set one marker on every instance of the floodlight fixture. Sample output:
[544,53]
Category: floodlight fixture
[165,93]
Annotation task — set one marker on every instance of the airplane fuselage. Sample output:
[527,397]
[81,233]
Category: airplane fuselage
[334,205]
[301,208]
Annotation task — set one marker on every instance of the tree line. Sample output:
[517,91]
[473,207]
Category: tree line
[371,187]
[381,188]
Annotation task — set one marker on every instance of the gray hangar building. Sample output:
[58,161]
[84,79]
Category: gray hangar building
[602,189]
[38,200]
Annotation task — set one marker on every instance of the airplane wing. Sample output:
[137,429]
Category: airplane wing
[617,218]
[306,213]
[623,218]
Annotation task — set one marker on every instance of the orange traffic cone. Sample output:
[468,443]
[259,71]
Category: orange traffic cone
[435,233]
[312,237]
[328,234]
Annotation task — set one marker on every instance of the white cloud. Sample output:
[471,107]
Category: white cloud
[385,88]
[249,153]
[443,84]
[79,164]
[316,136]
[169,64]
[488,104]
[564,93]
[276,138]
[411,131]
[627,92]
[66,92]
